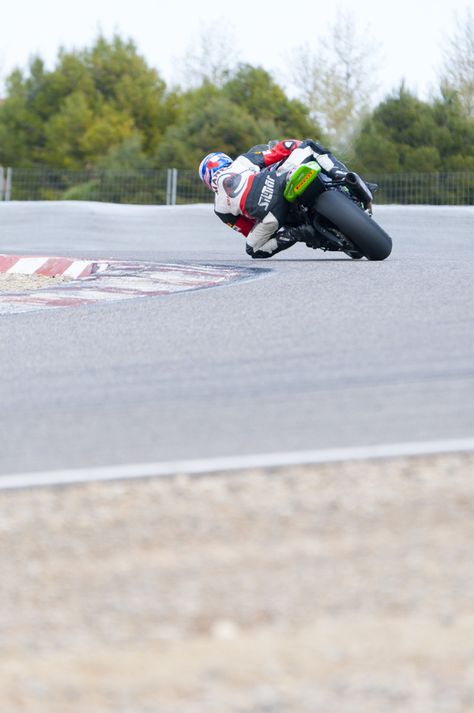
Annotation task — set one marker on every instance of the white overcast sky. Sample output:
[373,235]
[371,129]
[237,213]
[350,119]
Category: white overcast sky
[411,32]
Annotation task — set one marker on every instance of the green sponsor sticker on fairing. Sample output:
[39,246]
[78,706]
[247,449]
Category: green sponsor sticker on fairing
[301,178]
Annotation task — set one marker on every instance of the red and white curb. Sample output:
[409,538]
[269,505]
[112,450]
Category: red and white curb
[48,266]
[112,280]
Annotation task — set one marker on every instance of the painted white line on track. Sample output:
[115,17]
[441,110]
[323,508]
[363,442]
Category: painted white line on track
[213,465]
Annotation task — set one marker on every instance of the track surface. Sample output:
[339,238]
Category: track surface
[318,353]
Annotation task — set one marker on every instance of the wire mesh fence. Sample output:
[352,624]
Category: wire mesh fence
[425,188]
[145,187]
[172,186]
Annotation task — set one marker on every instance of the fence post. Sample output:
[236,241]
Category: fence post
[8,185]
[174,185]
[171,185]
[168,186]
[1,183]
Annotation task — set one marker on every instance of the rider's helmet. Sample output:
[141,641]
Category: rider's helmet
[209,167]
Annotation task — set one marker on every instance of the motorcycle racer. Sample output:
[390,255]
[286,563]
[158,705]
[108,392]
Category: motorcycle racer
[249,191]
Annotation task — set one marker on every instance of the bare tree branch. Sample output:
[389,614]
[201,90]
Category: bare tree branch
[210,57]
[458,69]
[338,76]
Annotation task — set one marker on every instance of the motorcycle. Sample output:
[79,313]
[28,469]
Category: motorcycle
[339,210]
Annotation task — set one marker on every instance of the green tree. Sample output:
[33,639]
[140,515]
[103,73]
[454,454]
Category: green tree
[91,101]
[123,80]
[250,109]
[253,89]
[409,135]
[454,133]
[209,122]
[21,124]
[127,156]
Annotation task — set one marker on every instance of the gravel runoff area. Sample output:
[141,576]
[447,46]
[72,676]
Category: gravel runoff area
[342,588]
[12,282]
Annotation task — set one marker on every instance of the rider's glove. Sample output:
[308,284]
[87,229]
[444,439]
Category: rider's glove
[330,167]
[315,146]
[329,164]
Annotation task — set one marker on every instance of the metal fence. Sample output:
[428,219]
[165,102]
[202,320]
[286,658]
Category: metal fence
[166,187]
[172,186]
[455,188]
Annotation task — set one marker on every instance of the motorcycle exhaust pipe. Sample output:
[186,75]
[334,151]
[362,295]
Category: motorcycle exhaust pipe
[358,188]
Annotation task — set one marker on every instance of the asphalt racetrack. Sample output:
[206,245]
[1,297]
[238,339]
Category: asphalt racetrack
[315,352]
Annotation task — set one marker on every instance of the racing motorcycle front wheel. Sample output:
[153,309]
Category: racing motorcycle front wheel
[355,224]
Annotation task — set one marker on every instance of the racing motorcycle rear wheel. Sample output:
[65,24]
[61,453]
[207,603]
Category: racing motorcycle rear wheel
[356,225]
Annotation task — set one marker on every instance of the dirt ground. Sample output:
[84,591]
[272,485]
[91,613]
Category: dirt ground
[343,588]
[20,283]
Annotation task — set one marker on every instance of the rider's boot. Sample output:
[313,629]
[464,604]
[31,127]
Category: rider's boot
[284,239]
[298,234]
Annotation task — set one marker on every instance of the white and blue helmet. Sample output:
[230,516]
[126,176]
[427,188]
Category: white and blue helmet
[211,165]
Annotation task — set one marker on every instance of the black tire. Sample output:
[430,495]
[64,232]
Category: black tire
[355,224]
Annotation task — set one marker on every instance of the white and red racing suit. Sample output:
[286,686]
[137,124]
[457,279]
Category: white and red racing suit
[249,196]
